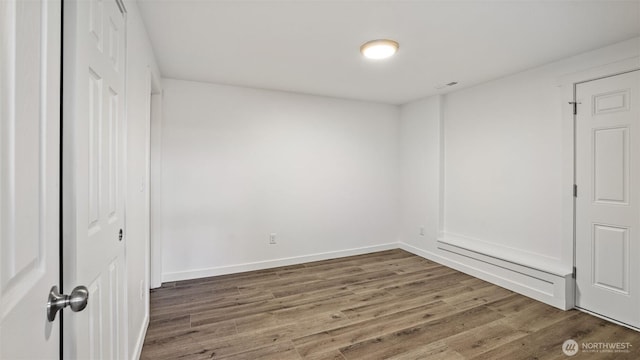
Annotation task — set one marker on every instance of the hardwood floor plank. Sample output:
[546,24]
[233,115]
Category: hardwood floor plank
[368,311]
[230,280]
[399,264]
[329,355]
[434,351]
[218,348]
[384,305]
[477,297]
[280,282]
[334,304]
[346,279]
[406,340]
[534,317]
[178,293]
[280,351]
[181,348]
[211,304]
[323,297]
[398,279]
[428,283]
[169,338]
[547,343]
[222,314]
[173,322]
[312,324]
[483,338]
[338,272]
[370,329]
[512,304]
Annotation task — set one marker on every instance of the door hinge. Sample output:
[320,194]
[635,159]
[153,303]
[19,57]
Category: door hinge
[575,190]
[575,272]
[575,106]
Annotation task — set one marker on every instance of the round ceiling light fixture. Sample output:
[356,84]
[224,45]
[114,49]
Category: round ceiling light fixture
[379,49]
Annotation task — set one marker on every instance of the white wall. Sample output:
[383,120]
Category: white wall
[140,61]
[420,178]
[508,159]
[504,164]
[239,164]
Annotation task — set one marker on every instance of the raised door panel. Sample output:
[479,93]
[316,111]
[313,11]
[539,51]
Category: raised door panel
[611,165]
[611,102]
[22,158]
[611,258]
[95,150]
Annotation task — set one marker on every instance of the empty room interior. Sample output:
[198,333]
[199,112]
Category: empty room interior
[335,179]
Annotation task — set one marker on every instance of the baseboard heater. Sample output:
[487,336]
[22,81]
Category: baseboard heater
[552,286]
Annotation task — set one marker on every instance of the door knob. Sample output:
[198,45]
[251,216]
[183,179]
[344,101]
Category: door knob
[77,301]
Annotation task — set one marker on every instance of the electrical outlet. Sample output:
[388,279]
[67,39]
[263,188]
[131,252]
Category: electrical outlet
[272,238]
[421,230]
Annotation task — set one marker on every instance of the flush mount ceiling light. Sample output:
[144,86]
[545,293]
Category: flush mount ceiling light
[379,49]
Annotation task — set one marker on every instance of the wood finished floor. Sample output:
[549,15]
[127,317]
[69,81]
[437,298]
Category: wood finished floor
[384,305]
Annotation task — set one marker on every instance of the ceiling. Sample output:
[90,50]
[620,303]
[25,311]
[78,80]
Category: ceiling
[312,47]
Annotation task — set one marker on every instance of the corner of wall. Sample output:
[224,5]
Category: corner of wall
[545,279]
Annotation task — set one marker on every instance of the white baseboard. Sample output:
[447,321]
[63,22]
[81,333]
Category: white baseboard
[553,289]
[259,265]
[137,351]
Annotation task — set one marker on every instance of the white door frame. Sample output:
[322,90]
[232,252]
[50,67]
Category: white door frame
[155,184]
[569,84]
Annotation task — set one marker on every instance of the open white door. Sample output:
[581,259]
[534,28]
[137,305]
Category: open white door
[608,198]
[93,173]
[29,176]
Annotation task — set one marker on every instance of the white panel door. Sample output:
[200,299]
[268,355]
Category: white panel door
[94,83]
[29,176]
[608,198]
